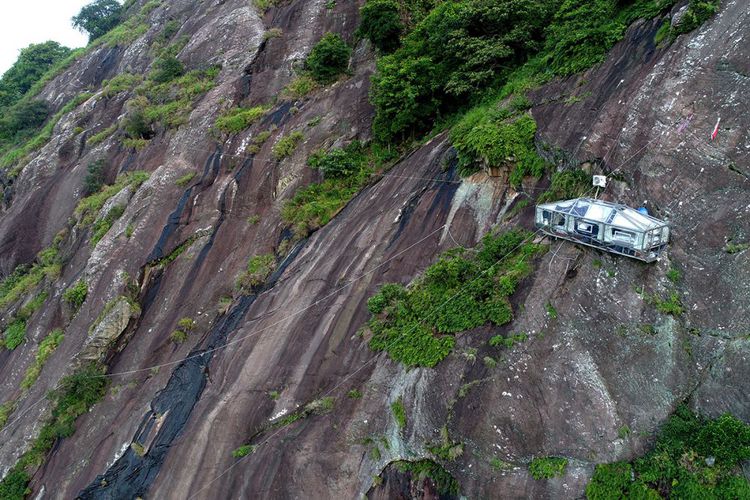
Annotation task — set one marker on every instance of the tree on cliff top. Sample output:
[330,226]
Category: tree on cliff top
[98,17]
[32,63]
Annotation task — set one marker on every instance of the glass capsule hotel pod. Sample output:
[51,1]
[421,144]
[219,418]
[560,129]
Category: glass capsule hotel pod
[607,226]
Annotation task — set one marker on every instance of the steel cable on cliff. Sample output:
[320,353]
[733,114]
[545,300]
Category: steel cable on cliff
[375,358]
[245,337]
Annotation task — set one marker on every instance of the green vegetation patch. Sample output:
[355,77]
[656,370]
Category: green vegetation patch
[547,467]
[421,470]
[381,24]
[14,334]
[259,268]
[44,351]
[329,58]
[464,289]
[399,413]
[566,185]
[694,457]
[24,278]
[238,119]
[43,136]
[88,208]
[243,451]
[671,304]
[76,294]
[103,225]
[697,13]
[346,171]
[165,102]
[285,146]
[497,137]
[74,396]
[101,136]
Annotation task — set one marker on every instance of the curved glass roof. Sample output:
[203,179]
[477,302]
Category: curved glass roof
[608,213]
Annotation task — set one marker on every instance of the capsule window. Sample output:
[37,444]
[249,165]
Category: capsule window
[623,236]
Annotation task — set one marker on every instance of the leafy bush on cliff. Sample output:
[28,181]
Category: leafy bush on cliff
[329,58]
[464,289]
[346,171]
[45,350]
[74,396]
[694,457]
[339,162]
[32,64]
[698,12]
[547,467]
[381,24]
[487,136]
[76,294]
[238,119]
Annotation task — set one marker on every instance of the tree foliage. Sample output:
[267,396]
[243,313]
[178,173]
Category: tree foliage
[463,290]
[381,24]
[694,457]
[32,63]
[329,58]
[98,17]
[422,79]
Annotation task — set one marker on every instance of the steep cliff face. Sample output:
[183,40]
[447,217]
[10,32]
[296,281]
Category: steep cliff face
[599,357]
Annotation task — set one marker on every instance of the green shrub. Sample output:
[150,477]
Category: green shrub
[178,336]
[399,413]
[15,485]
[566,185]
[510,341]
[353,394]
[76,294]
[101,136]
[89,207]
[670,305]
[94,179]
[315,205]
[102,226]
[6,410]
[31,66]
[548,467]
[15,334]
[551,311]
[263,5]
[677,467]
[698,12]
[166,69]
[186,324]
[299,87]
[185,179]
[463,290]
[259,268]
[423,469]
[285,146]
[243,451]
[381,24]
[238,119]
[45,350]
[486,136]
[329,58]
[674,275]
[339,162]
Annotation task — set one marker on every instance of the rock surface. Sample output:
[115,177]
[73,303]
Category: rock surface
[583,376]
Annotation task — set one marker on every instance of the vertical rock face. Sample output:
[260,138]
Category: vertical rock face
[175,412]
